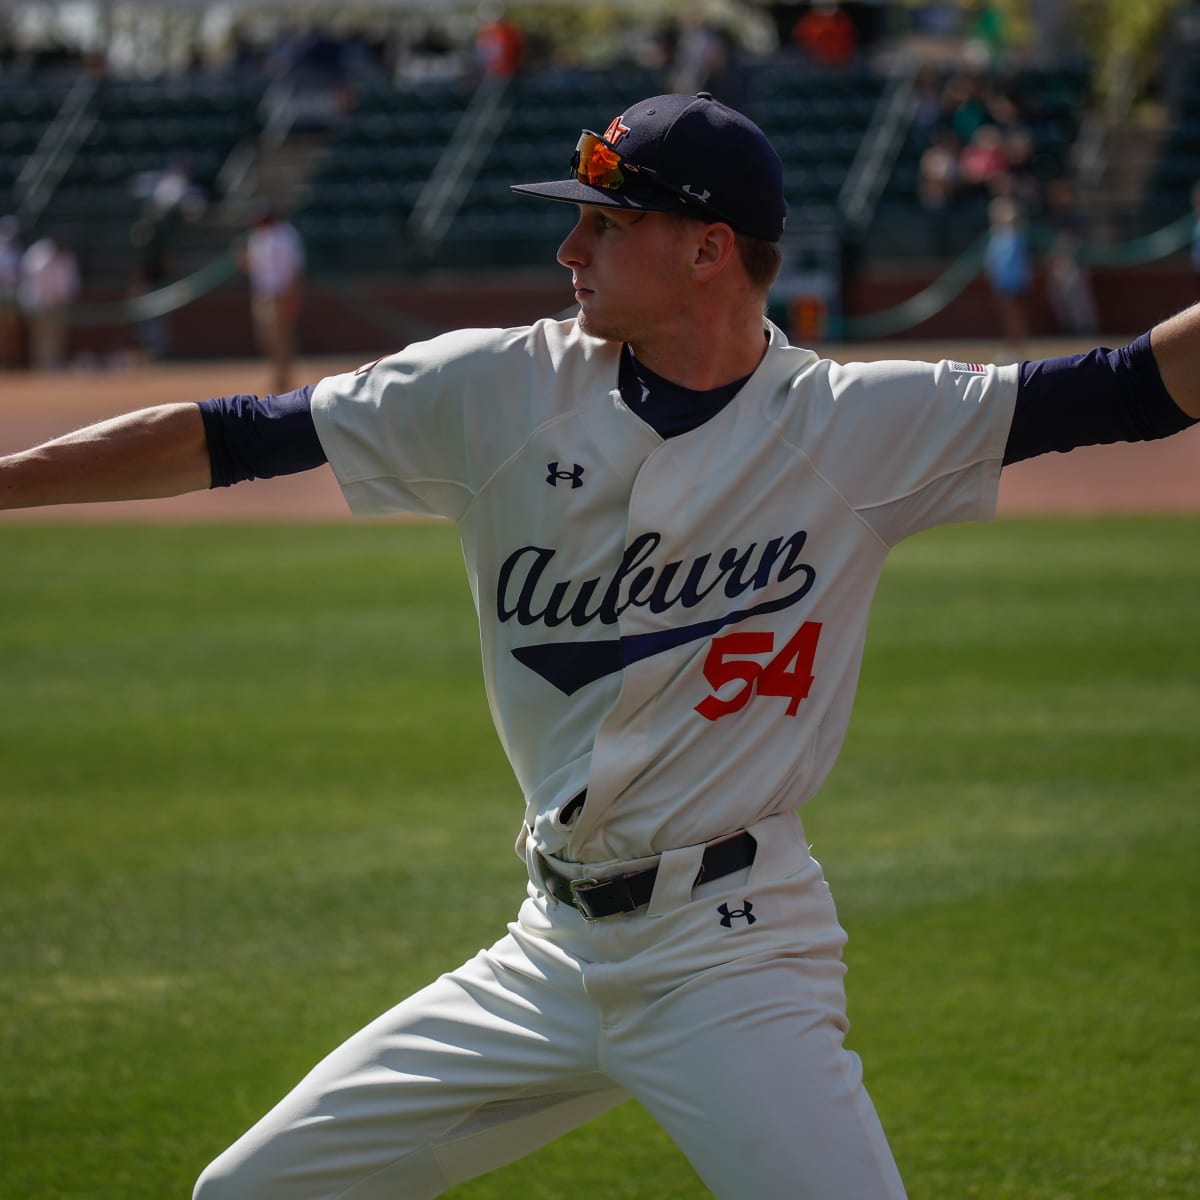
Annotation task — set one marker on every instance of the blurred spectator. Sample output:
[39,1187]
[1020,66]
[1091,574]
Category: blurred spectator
[1067,279]
[48,285]
[938,178]
[173,192]
[309,54]
[1004,112]
[983,162]
[431,55]
[169,196]
[1020,181]
[663,45]
[1008,266]
[928,116]
[965,103]
[273,259]
[826,35]
[10,312]
[986,33]
[320,57]
[499,45]
[702,57]
[149,239]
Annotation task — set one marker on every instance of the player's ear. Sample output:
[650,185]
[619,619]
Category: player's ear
[714,246]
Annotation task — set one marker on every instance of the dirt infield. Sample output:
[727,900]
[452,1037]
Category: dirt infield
[1148,477]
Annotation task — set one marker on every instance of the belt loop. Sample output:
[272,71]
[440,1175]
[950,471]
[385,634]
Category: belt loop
[677,870]
[533,862]
[782,846]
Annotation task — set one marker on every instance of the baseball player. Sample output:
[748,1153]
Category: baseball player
[673,522]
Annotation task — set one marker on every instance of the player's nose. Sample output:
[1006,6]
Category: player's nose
[572,252]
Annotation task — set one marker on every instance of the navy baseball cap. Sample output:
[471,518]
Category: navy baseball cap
[674,153]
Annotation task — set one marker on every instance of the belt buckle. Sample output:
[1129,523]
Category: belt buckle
[578,902]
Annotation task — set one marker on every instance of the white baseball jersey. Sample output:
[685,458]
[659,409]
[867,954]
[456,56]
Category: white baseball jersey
[674,625]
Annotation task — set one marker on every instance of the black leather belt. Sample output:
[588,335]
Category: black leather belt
[599,898]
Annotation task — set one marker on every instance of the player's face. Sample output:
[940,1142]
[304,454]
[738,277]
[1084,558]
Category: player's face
[628,268]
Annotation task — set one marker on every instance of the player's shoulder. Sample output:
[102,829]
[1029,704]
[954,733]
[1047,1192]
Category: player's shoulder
[467,348]
[811,390]
[898,373]
[543,358]
[785,370]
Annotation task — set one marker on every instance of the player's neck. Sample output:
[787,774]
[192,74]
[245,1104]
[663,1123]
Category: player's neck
[705,354]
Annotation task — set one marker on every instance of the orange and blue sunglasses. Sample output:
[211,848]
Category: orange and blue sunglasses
[598,164]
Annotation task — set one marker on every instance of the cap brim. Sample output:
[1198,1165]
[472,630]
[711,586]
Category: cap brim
[571,191]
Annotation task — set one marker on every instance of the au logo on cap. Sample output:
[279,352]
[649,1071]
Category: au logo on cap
[615,131]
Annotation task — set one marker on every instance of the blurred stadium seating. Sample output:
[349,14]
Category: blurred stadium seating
[360,180]
[1178,166]
[26,109]
[381,155]
[134,130]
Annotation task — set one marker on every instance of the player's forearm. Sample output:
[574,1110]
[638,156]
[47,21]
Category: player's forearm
[149,453]
[1176,344]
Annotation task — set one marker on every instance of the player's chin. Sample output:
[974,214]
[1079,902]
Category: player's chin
[596,326]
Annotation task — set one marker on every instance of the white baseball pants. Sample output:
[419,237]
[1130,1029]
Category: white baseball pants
[720,1008]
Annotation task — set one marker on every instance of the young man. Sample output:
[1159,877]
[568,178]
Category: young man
[673,523]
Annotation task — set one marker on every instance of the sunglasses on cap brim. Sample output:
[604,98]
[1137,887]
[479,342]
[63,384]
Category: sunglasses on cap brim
[598,164]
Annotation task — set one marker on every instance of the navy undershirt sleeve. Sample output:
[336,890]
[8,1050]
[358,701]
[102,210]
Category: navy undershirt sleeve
[1092,399]
[258,437]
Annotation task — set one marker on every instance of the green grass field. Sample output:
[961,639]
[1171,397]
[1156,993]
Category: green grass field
[252,796]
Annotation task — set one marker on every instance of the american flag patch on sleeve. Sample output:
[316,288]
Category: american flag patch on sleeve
[969,368]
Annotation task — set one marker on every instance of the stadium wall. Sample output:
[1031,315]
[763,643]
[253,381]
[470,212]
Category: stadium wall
[369,317]
[1129,299]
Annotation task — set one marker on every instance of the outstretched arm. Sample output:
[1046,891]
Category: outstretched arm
[153,452]
[1176,345]
[1146,390]
[168,450]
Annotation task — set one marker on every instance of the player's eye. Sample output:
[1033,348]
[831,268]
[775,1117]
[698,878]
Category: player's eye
[596,219]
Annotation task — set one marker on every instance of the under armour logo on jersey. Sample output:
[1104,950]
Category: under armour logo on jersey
[553,475]
[728,915]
